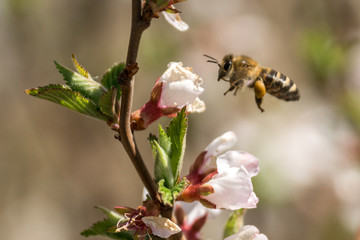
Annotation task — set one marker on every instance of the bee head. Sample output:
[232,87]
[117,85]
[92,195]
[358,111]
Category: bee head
[225,66]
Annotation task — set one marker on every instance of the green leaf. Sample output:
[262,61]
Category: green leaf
[177,134]
[80,68]
[101,228]
[106,103]
[169,195]
[67,97]
[104,227]
[111,76]
[164,140]
[165,192]
[234,223]
[168,150]
[112,215]
[162,170]
[84,85]
[179,187]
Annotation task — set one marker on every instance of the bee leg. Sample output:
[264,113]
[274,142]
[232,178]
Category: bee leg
[258,103]
[260,90]
[229,90]
[238,84]
[236,91]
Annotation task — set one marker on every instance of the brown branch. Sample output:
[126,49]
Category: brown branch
[139,23]
[141,18]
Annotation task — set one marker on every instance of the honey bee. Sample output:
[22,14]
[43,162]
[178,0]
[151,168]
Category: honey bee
[242,71]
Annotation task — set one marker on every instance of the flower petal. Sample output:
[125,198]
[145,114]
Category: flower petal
[238,159]
[175,20]
[162,227]
[247,232]
[215,148]
[232,189]
[195,210]
[197,106]
[180,86]
[221,144]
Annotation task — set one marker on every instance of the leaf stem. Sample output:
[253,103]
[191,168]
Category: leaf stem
[138,24]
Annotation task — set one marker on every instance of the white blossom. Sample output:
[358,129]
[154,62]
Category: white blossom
[162,227]
[180,87]
[175,20]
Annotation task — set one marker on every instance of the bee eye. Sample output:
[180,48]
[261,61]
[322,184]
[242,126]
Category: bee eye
[227,65]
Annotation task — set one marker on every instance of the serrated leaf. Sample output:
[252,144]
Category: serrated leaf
[234,223]
[151,139]
[101,228]
[112,215]
[177,133]
[86,86]
[162,170]
[179,187]
[164,140]
[106,103]
[66,97]
[169,195]
[110,78]
[168,150]
[80,68]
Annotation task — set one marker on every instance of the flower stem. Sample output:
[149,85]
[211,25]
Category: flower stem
[139,23]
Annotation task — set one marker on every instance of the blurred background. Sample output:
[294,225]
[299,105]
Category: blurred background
[56,165]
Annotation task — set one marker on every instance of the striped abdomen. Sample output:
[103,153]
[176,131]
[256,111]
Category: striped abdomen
[279,85]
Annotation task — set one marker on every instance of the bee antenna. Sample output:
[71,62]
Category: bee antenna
[212,59]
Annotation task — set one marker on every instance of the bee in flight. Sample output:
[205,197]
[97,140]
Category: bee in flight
[243,71]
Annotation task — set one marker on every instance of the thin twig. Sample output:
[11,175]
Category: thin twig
[141,18]
[138,25]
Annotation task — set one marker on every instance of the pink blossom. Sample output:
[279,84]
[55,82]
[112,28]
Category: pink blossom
[176,88]
[191,217]
[226,184]
[247,232]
